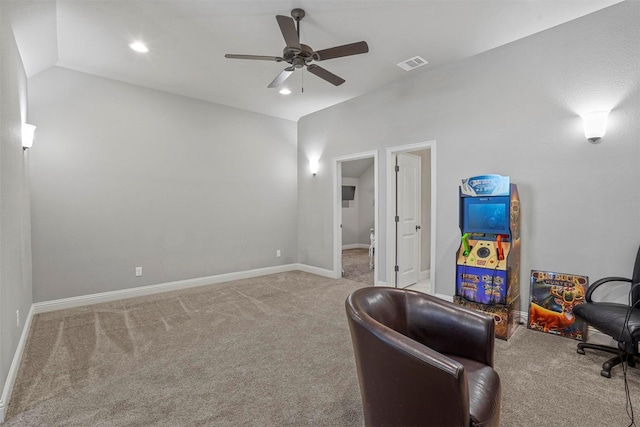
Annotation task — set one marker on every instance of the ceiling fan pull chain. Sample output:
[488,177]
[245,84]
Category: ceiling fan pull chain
[302,78]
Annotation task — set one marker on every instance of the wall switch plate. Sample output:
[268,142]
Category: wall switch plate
[17,318]
[138,271]
[278,253]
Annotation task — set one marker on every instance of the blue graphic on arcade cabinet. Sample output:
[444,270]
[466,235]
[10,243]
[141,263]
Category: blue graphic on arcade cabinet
[481,285]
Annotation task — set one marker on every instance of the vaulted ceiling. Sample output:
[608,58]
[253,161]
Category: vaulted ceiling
[187,41]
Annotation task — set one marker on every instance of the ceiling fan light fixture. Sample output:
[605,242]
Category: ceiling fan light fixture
[285,91]
[138,46]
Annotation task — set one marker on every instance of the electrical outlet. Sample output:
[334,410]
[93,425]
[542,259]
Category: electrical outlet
[17,318]
[278,253]
[138,271]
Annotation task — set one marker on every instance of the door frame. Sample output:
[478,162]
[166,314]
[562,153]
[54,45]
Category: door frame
[391,197]
[337,209]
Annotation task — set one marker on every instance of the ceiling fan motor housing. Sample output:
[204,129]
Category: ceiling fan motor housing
[298,58]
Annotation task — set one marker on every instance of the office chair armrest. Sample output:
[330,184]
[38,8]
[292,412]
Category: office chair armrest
[601,282]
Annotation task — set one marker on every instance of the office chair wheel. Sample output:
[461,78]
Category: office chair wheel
[606,366]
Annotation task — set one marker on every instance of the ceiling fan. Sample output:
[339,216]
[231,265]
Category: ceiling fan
[299,55]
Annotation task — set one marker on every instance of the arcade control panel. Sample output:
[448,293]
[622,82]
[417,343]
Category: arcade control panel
[485,253]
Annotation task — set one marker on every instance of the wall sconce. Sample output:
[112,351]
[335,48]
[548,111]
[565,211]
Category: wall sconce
[313,166]
[595,125]
[28,132]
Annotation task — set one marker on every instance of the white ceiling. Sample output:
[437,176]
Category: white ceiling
[188,39]
[355,168]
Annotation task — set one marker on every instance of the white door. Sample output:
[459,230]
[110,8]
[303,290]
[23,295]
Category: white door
[407,219]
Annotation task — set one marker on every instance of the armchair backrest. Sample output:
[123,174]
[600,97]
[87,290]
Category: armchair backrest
[387,308]
[444,320]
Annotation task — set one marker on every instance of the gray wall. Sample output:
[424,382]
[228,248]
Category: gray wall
[358,218]
[366,206]
[125,176]
[350,217]
[15,239]
[512,111]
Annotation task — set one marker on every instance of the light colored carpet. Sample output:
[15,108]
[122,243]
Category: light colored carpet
[545,382]
[268,351]
[355,264]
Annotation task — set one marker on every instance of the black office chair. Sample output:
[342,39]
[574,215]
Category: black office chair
[619,321]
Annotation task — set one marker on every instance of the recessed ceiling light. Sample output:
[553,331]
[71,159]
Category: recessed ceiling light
[139,47]
[285,91]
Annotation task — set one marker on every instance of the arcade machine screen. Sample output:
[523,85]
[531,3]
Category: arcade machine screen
[488,216]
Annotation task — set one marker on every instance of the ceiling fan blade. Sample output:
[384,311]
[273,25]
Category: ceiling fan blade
[289,32]
[340,51]
[260,57]
[326,75]
[281,77]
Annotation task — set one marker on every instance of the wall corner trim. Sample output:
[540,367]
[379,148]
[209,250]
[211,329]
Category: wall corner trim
[316,270]
[15,364]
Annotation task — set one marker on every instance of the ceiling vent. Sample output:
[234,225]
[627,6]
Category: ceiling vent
[412,63]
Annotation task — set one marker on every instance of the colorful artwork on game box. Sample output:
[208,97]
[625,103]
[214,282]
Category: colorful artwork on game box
[553,297]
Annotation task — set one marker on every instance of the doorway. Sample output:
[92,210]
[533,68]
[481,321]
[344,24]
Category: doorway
[411,216]
[356,217]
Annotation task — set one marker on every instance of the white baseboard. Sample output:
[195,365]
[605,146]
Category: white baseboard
[64,303]
[355,246]
[594,336]
[424,275]
[15,364]
[61,304]
[317,271]
[445,297]
[523,317]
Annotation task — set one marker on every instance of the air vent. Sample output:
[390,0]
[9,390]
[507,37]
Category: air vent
[412,63]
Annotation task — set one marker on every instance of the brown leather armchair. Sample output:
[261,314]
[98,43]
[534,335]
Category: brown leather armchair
[422,361]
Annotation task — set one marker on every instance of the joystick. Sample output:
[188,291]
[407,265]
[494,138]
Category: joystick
[499,247]
[465,243]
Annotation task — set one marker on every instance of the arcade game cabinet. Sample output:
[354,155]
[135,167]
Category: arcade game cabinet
[488,261]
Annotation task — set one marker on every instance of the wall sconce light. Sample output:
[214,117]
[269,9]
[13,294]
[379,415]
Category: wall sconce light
[313,166]
[28,132]
[595,125]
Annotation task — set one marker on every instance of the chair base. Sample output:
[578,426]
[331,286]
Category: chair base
[621,356]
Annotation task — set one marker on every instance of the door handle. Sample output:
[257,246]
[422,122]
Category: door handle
[418,227]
